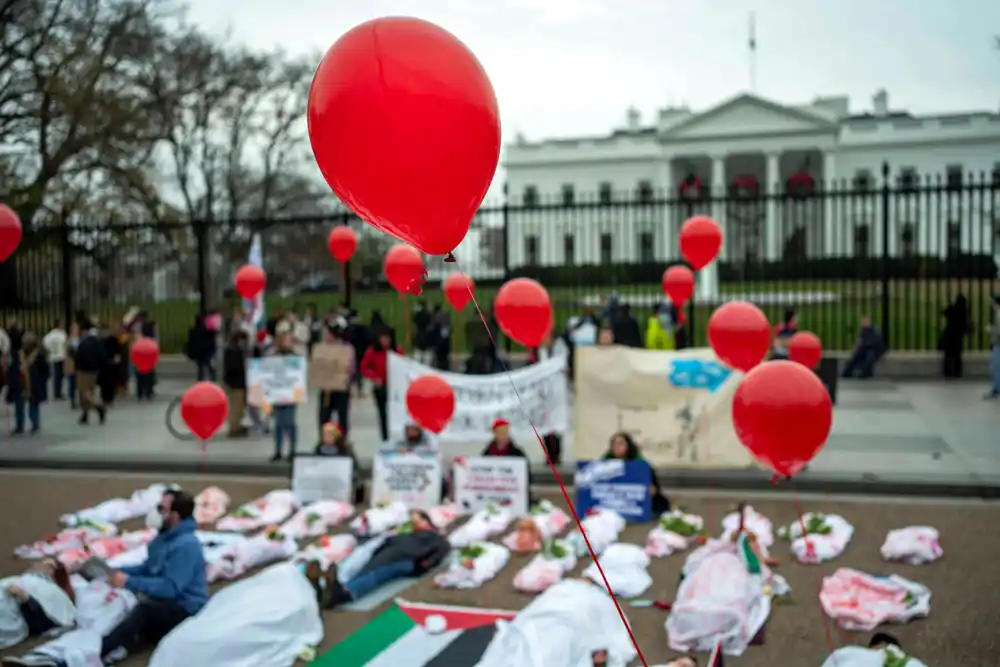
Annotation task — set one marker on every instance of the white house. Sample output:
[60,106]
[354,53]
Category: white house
[753,143]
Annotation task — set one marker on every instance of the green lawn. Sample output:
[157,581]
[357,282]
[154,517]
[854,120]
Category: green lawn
[914,310]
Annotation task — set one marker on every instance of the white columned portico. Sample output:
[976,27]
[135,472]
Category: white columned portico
[772,240]
[666,186]
[708,278]
[829,224]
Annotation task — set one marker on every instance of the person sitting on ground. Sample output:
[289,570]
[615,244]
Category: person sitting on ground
[333,443]
[415,440]
[867,351]
[410,552]
[501,444]
[35,602]
[623,447]
[171,583]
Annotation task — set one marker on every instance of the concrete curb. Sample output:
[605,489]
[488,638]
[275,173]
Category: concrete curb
[749,480]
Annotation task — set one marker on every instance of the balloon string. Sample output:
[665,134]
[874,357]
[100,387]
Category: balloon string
[555,472]
[810,551]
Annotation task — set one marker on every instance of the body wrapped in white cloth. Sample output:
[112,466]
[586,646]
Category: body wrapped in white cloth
[52,599]
[317,519]
[753,521]
[603,527]
[543,522]
[68,538]
[116,510]
[273,508]
[860,601]
[827,535]
[625,567]
[916,545]
[856,656]
[562,627]
[675,530]
[210,505]
[328,550]
[473,565]
[484,524]
[442,516]
[106,548]
[380,519]
[547,568]
[267,547]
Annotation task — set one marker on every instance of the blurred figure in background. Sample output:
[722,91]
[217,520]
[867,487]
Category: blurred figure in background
[625,328]
[783,332]
[375,367]
[660,329]
[69,365]
[994,331]
[27,383]
[439,338]
[201,348]
[234,377]
[957,325]
[54,345]
[422,319]
[284,414]
[867,351]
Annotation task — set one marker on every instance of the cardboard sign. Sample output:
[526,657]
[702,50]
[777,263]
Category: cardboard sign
[483,480]
[622,486]
[330,366]
[412,479]
[322,478]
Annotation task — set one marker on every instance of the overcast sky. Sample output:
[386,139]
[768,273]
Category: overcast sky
[568,67]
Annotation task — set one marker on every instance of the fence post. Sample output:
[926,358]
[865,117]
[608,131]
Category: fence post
[201,237]
[886,324]
[505,212]
[67,271]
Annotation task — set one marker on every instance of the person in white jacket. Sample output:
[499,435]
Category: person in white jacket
[54,344]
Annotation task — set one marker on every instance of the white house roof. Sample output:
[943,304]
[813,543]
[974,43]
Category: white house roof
[747,114]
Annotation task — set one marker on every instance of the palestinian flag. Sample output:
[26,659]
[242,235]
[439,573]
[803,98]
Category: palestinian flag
[418,635]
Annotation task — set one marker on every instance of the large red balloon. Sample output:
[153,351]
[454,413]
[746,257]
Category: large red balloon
[458,290]
[145,353]
[700,241]
[431,402]
[805,348]
[524,311]
[782,413]
[10,232]
[678,284]
[405,127]
[342,243]
[204,407]
[740,334]
[404,269]
[250,281]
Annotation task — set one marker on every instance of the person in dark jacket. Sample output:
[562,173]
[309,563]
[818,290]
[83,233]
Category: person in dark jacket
[957,325]
[413,550]
[625,328]
[501,444]
[27,383]
[234,376]
[334,443]
[171,583]
[201,348]
[109,377]
[623,447]
[867,350]
[90,359]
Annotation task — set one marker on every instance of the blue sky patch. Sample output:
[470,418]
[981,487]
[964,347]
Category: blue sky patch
[697,374]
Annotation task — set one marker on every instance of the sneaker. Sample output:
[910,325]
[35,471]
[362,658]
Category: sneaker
[276,458]
[102,414]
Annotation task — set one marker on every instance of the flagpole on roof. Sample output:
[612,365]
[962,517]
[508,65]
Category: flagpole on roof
[752,52]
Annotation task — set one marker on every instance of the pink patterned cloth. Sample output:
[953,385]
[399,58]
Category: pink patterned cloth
[860,601]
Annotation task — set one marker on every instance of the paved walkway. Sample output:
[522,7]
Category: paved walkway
[884,435]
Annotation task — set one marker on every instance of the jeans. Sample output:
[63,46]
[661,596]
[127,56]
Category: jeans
[71,390]
[861,363]
[34,415]
[57,379]
[995,369]
[149,622]
[284,424]
[369,581]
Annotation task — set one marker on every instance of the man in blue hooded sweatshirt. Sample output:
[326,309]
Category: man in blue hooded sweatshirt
[170,585]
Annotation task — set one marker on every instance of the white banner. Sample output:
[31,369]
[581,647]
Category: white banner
[412,479]
[481,399]
[481,480]
[322,478]
[278,380]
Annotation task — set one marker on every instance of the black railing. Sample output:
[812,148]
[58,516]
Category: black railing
[898,251]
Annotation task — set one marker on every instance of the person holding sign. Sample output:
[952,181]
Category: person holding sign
[623,448]
[414,441]
[502,445]
[331,365]
[284,413]
[333,442]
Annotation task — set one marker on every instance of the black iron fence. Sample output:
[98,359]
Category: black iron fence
[898,250]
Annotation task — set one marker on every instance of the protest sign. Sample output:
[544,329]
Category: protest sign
[322,478]
[279,380]
[677,406]
[412,479]
[330,366]
[614,484]
[481,399]
[483,480]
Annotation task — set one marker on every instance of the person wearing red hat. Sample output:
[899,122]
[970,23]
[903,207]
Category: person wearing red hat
[501,444]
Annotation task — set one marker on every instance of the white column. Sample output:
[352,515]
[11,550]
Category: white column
[666,189]
[772,188]
[708,278]
[829,224]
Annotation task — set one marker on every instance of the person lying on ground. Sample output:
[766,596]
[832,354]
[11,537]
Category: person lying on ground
[333,443]
[756,552]
[35,602]
[883,650]
[411,551]
[171,582]
[623,447]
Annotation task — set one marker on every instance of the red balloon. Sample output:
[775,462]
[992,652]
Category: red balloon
[145,353]
[740,334]
[10,232]
[204,407]
[250,281]
[524,311]
[342,243]
[404,269]
[431,402]
[405,127]
[805,348]
[700,241]
[678,284]
[782,413]
[458,290]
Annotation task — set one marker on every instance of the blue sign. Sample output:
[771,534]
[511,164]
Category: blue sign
[698,374]
[614,484]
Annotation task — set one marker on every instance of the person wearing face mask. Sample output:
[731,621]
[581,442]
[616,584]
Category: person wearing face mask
[660,330]
[171,583]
